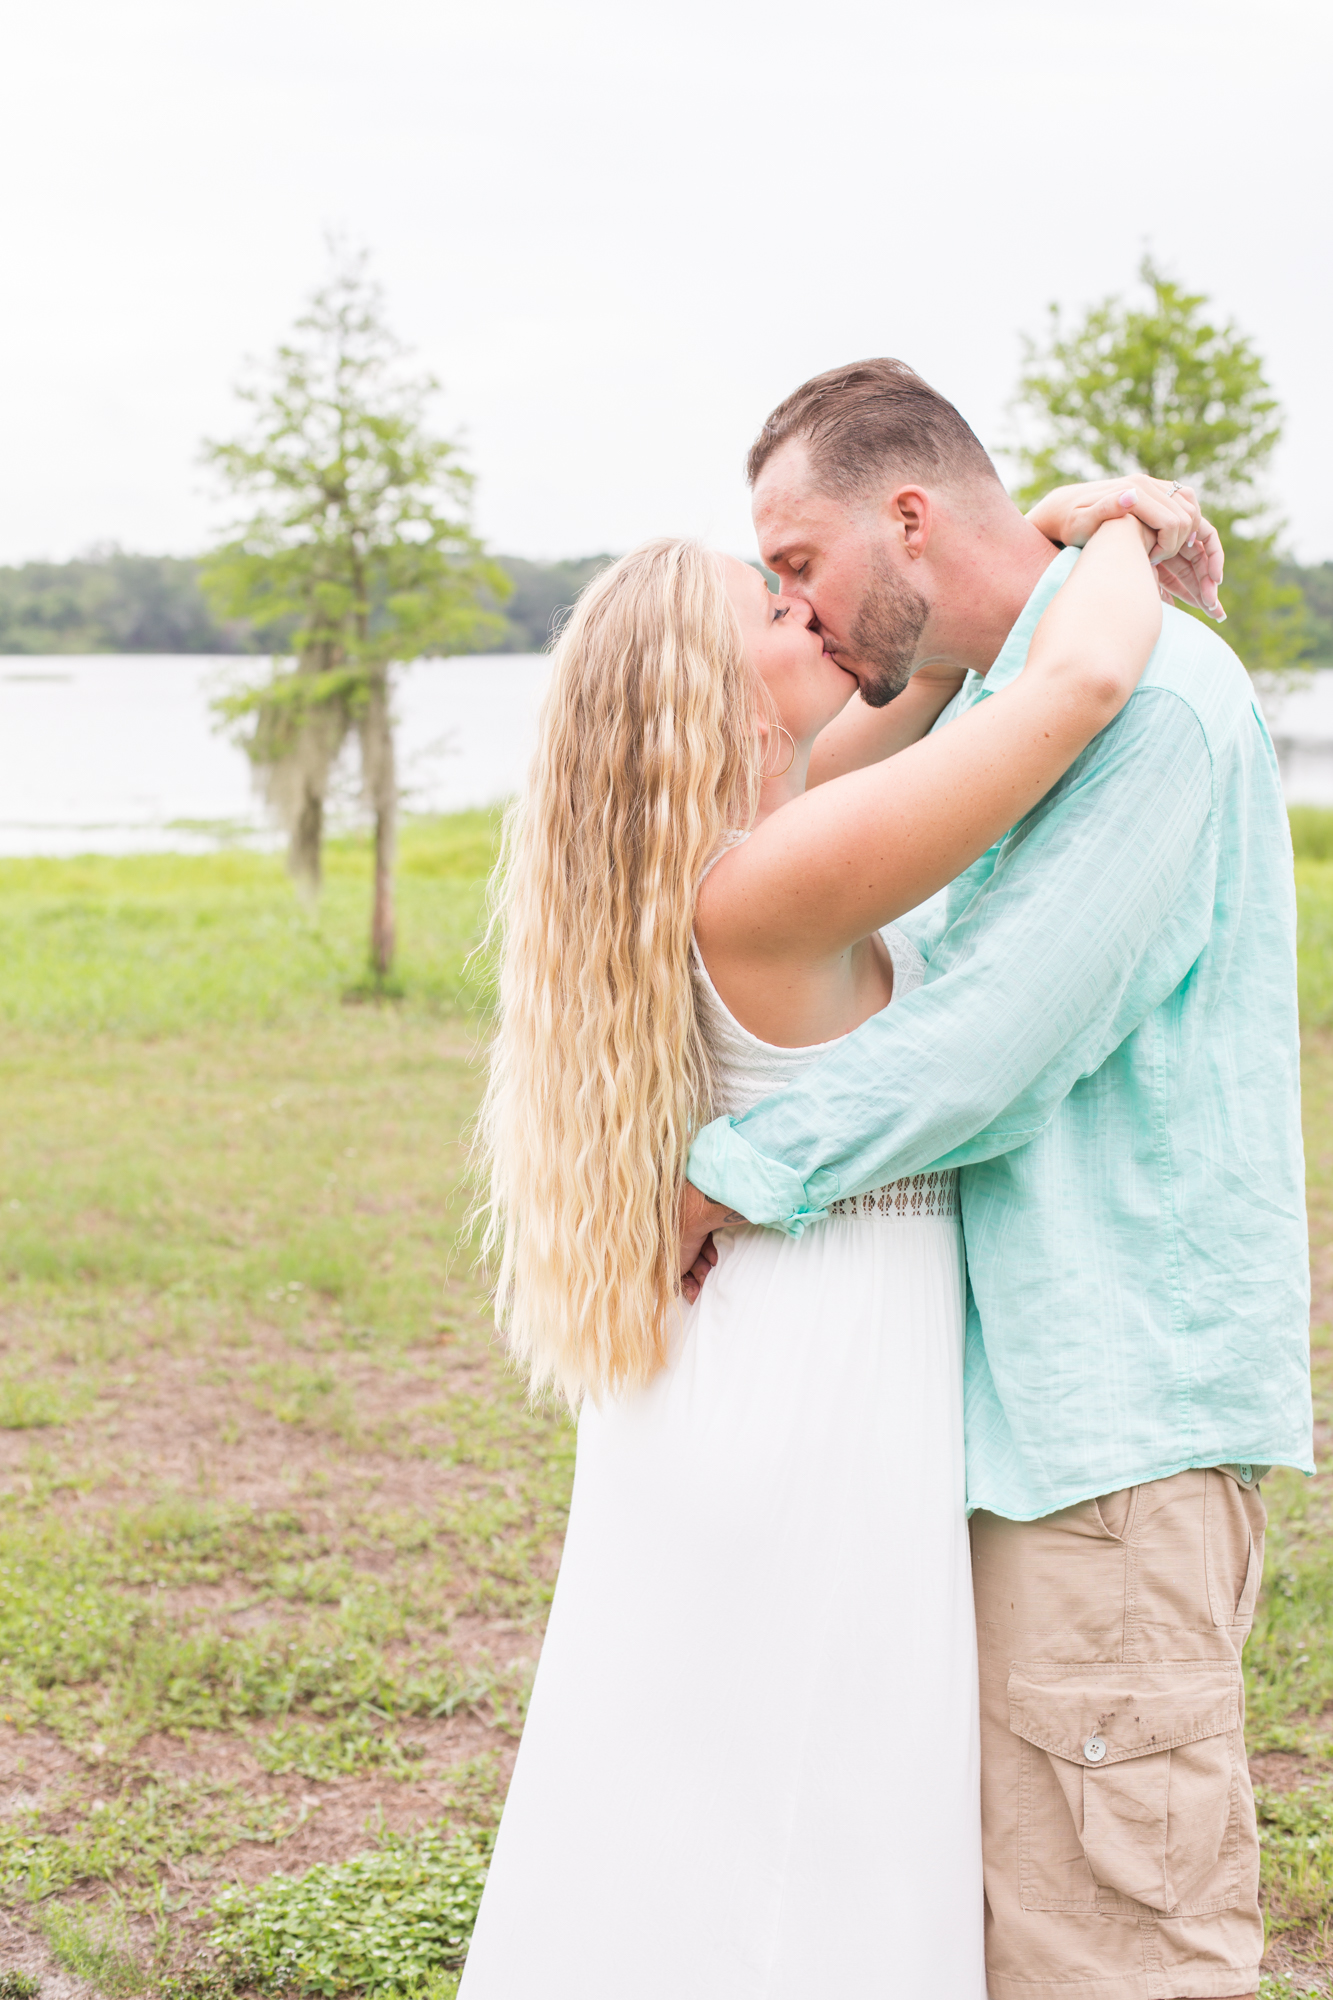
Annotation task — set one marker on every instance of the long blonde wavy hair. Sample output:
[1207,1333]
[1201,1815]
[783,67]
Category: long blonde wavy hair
[650,748]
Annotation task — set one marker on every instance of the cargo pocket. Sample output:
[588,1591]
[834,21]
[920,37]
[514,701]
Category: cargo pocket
[1130,1784]
[1233,1551]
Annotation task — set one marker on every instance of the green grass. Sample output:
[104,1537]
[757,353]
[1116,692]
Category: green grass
[344,1748]
[1289,1659]
[387,1919]
[29,1405]
[1296,1839]
[98,1951]
[1312,838]
[138,1829]
[1312,832]
[1314,940]
[155,944]
[277,1531]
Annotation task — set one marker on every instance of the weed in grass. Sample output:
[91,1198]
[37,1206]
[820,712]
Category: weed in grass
[133,1833]
[438,1985]
[311,1397]
[98,1952]
[196,1982]
[1314,940]
[60,1622]
[176,1521]
[212,1681]
[179,1540]
[18,1986]
[1289,1659]
[1296,1859]
[474,1791]
[29,1405]
[324,1580]
[81,1653]
[390,1918]
[343,1749]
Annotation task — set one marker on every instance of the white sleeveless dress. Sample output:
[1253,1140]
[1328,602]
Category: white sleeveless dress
[750,1766]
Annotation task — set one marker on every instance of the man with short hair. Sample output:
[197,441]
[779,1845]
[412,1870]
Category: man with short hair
[1106,1046]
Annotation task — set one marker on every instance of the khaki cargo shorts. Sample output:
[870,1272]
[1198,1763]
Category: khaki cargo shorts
[1121,1855]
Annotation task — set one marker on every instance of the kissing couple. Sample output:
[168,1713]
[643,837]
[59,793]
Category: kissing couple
[908,959]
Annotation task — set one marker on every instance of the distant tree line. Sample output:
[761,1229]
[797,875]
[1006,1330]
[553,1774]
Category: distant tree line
[110,602]
[1315,580]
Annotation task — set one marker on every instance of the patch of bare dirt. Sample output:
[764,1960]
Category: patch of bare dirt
[171,1425]
[1281,1770]
[21,1951]
[32,1762]
[1299,1958]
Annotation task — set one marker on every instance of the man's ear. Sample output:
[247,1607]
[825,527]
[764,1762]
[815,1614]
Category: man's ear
[910,511]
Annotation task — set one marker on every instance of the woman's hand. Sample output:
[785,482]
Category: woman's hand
[1186,551]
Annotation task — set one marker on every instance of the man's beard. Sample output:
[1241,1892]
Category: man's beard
[888,624]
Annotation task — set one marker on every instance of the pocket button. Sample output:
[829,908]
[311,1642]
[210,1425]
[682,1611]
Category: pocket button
[1094,1749]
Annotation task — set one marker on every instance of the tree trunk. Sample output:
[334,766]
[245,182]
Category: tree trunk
[305,843]
[382,919]
[292,756]
[380,777]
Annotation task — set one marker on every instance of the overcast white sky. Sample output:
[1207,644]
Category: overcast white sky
[620,233]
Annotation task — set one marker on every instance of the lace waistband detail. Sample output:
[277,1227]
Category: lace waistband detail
[919,1195]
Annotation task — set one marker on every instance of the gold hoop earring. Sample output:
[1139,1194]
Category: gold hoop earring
[791,760]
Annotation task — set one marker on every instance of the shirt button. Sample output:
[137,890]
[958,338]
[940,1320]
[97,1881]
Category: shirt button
[1094,1749]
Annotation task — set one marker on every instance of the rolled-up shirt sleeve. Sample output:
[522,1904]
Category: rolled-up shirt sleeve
[1088,915]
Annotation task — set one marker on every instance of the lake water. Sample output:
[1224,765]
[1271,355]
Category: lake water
[118,754]
[1302,726]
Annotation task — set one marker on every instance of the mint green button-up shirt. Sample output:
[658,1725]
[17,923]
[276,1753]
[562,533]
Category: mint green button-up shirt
[1106,1046]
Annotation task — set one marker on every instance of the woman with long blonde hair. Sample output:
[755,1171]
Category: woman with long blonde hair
[750,1763]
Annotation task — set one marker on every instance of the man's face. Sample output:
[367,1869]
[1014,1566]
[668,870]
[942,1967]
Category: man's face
[837,557]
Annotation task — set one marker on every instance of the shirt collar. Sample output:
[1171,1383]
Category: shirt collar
[1012,656]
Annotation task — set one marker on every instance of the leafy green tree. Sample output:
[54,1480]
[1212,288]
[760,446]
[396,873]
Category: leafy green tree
[359,540]
[106,601]
[1166,389]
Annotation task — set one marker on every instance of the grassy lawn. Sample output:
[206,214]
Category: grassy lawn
[277,1532]
[277,1535]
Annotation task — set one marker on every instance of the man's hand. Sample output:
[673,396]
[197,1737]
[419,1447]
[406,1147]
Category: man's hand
[1186,551]
[699,1217]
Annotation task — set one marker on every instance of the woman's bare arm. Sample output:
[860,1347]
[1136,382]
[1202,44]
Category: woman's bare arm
[863,735]
[840,861]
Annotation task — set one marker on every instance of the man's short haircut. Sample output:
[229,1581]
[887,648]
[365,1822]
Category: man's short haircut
[870,423]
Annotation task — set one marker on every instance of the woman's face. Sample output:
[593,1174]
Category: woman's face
[807,685]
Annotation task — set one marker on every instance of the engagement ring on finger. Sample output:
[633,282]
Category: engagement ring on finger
[1177,488]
